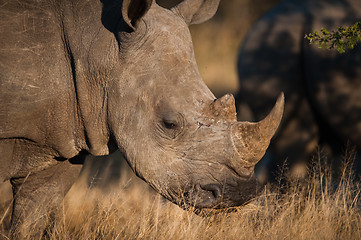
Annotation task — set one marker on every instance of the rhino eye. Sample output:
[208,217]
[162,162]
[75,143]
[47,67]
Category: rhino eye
[169,124]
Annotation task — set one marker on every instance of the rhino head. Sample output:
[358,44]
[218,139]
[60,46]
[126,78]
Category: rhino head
[172,130]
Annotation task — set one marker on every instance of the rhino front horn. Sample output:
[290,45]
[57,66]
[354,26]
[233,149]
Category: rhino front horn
[251,139]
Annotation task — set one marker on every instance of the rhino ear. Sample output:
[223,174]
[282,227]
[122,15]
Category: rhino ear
[196,11]
[134,10]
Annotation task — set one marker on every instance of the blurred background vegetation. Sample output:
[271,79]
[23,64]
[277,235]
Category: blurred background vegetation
[217,42]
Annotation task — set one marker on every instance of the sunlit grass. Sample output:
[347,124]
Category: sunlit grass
[318,207]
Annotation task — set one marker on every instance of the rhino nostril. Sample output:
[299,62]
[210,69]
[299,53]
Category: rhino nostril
[215,189]
[204,196]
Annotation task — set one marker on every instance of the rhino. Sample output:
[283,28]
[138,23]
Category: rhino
[85,78]
[323,109]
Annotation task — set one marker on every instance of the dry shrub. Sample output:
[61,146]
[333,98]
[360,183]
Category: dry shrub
[313,208]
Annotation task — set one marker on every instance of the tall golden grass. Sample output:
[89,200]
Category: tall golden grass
[318,207]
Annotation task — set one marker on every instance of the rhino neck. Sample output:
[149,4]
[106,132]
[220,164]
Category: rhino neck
[92,112]
[92,51]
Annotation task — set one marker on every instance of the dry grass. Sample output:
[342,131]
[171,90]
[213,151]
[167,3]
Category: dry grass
[315,208]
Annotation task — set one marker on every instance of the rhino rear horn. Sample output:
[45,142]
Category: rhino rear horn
[251,139]
[225,108]
[196,11]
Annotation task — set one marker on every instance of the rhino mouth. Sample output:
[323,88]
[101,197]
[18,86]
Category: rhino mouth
[221,196]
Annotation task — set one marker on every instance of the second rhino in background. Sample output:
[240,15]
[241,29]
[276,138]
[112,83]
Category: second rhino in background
[322,88]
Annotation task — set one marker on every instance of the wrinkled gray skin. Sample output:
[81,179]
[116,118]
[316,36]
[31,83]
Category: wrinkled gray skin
[322,87]
[87,77]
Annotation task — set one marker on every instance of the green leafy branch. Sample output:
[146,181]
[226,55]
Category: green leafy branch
[341,39]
